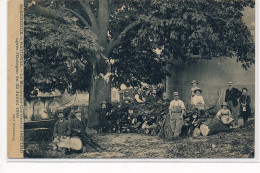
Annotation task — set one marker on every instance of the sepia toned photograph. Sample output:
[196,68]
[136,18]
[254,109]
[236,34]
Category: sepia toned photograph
[131,79]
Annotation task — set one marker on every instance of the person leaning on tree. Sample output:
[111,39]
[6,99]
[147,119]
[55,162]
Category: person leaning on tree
[176,111]
[231,97]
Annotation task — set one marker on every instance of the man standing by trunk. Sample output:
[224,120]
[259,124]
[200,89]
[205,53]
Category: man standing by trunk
[232,96]
[176,111]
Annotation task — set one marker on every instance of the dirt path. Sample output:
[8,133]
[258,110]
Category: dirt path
[239,143]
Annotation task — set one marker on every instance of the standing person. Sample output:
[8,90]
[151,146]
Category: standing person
[173,122]
[165,98]
[194,87]
[61,133]
[78,128]
[245,109]
[71,114]
[231,97]
[102,116]
[176,111]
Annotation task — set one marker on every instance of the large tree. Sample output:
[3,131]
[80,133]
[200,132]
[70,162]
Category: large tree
[92,45]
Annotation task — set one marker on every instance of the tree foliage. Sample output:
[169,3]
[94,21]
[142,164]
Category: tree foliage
[67,41]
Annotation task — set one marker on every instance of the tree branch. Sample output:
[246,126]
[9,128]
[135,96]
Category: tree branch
[120,37]
[48,13]
[90,13]
[79,16]
[213,17]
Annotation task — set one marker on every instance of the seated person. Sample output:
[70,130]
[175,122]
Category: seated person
[61,133]
[198,100]
[153,97]
[225,115]
[139,96]
[78,129]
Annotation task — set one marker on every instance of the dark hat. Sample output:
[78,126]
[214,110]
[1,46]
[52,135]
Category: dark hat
[198,89]
[224,104]
[194,81]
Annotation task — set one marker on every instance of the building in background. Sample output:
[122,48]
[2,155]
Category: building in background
[214,74]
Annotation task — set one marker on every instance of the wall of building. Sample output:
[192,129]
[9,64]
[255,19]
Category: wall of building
[212,76]
[39,106]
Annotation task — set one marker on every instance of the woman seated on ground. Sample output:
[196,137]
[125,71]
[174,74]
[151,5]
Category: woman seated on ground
[225,115]
[198,100]
[61,134]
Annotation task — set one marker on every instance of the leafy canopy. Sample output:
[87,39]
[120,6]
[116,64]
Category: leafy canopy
[60,47]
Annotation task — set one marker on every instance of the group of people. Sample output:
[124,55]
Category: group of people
[172,125]
[65,129]
[174,122]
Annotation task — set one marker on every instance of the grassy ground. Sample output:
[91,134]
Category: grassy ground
[239,143]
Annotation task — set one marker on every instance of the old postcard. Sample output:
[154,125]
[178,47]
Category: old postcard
[157,79]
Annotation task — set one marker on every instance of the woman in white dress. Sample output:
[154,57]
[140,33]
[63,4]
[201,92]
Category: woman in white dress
[198,100]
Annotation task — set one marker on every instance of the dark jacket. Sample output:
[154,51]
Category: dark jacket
[152,98]
[233,95]
[76,125]
[62,128]
[102,116]
[245,99]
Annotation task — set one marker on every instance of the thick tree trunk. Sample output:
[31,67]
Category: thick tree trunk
[100,91]
[212,126]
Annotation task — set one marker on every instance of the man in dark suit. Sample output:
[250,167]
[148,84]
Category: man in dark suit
[232,96]
[78,128]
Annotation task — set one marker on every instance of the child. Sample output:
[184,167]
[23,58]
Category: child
[225,115]
[245,101]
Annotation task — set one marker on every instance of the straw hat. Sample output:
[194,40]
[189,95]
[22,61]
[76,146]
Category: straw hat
[230,83]
[198,89]
[175,93]
[224,104]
